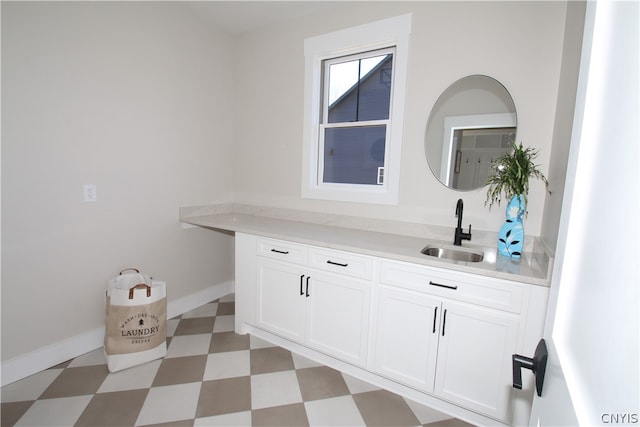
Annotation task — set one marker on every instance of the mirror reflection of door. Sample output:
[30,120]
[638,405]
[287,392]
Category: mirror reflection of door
[470,144]
[475,150]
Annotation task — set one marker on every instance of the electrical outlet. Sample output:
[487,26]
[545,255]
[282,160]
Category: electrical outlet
[90,193]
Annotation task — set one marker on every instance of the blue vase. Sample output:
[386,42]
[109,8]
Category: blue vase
[511,235]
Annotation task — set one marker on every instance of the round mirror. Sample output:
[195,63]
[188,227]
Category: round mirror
[472,123]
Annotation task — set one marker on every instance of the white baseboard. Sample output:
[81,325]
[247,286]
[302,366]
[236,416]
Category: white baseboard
[184,304]
[28,364]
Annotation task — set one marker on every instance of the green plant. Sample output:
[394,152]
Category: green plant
[510,174]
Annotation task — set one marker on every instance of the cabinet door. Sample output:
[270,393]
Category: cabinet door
[407,332]
[338,316]
[280,304]
[474,358]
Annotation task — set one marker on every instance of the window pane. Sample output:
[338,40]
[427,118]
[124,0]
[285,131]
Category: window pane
[342,77]
[360,90]
[353,155]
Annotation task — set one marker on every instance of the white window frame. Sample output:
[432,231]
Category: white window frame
[392,32]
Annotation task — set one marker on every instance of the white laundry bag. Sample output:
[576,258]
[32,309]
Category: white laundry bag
[135,320]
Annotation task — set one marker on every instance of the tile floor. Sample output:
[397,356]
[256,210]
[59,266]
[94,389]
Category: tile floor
[210,377]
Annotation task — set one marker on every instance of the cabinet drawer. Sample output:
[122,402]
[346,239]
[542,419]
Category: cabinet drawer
[347,263]
[484,291]
[282,250]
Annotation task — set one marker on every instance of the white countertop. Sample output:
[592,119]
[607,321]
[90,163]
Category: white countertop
[317,229]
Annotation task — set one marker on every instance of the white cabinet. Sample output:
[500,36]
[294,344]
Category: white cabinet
[338,317]
[474,358]
[315,297]
[443,337]
[281,304]
[455,350]
[407,337]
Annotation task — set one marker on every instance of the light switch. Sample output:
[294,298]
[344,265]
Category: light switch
[90,193]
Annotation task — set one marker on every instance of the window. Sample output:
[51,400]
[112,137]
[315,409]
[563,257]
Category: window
[355,117]
[354,102]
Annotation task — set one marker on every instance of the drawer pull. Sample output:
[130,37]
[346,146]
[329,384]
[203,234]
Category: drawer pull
[280,252]
[336,263]
[308,277]
[440,285]
[301,292]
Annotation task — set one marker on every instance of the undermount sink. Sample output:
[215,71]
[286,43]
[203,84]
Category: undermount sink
[452,253]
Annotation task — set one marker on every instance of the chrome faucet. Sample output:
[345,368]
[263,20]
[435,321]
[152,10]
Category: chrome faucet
[460,235]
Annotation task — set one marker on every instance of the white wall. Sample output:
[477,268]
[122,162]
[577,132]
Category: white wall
[135,98]
[518,43]
[563,124]
[159,110]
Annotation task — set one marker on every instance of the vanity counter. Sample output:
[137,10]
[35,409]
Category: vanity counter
[332,231]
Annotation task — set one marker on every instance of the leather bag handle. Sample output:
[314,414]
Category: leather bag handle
[140,286]
[127,269]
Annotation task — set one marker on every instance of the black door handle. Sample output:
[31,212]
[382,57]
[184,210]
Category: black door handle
[537,365]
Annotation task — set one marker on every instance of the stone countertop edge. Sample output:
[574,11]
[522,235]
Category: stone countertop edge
[381,238]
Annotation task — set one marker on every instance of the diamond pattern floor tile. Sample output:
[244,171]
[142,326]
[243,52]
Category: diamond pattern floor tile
[119,408]
[272,359]
[197,325]
[131,379]
[226,309]
[228,365]
[13,411]
[321,383]
[29,388]
[228,341]
[224,396]
[189,345]
[382,408]
[210,377]
[180,370]
[92,358]
[224,324]
[274,389]
[238,419]
[206,310]
[62,411]
[84,380]
[169,403]
[287,415]
[337,411]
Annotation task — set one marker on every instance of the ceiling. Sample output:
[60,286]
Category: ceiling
[239,16]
